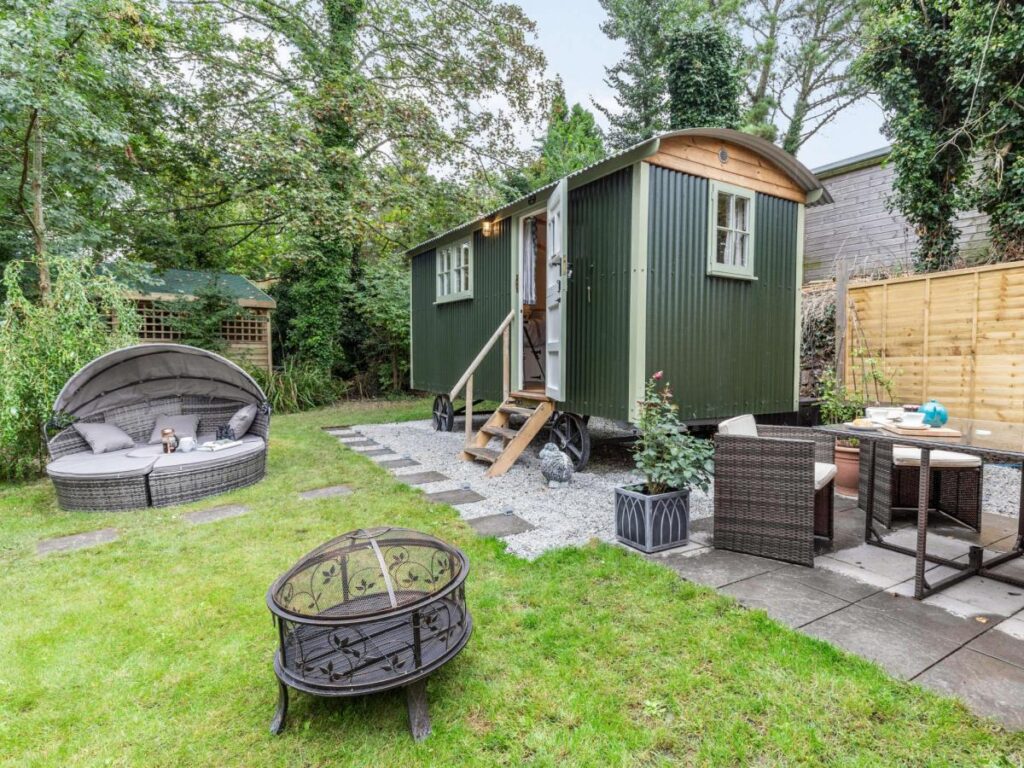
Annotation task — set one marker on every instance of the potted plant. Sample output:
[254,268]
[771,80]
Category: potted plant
[655,514]
[839,405]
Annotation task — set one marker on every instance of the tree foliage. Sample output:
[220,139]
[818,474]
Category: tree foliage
[794,62]
[703,82]
[45,341]
[950,79]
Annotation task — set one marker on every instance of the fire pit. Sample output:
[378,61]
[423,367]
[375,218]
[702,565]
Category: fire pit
[370,611]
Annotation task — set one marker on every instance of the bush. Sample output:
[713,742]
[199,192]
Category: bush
[297,386]
[44,343]
[668,458]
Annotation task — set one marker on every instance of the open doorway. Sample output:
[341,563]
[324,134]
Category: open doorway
[533,285]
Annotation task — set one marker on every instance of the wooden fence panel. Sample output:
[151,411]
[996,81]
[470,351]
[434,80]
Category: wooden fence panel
[954,336]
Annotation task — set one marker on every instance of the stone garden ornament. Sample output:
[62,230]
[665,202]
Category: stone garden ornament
[555,466]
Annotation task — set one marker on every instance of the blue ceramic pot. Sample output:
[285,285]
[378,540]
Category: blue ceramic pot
[935,414]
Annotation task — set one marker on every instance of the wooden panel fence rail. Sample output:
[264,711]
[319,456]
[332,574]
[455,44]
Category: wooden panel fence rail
[954,336]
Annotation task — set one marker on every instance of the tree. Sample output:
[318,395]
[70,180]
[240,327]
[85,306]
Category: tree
[794,62]
[573,141]
[949,77]
[703,83]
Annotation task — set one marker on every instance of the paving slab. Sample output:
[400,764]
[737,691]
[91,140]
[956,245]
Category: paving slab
[456,497]
[787,600]
[718,567]
[1001,643]
[77,541]
[398,463]
[829,582]
[422,478]
[938,622]
[870,564]
[989,686]
[213,514]
[971,597]
[342,433]
[379,452]
[902,649]
[326,493]
[362,444]
[500,525]
[1013,626]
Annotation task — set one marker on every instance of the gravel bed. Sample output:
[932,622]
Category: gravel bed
[1000,493]
[569,516]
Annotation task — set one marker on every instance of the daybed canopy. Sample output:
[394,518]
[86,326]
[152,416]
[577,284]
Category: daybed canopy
[150,371]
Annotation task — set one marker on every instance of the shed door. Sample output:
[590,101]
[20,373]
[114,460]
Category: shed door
[557,277]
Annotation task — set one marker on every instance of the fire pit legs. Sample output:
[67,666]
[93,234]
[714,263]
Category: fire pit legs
[419,713]
[277,724]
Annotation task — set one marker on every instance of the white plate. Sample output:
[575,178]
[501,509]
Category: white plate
[871,428]
[921,427]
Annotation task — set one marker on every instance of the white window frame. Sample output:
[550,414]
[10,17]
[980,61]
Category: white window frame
[745,272]
[454,267]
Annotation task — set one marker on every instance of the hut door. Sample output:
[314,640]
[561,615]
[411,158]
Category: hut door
[557,276]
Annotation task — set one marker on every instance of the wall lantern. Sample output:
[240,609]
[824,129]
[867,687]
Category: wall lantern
[488,227]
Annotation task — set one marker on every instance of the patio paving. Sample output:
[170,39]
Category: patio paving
[213,514]
[456,497]
[326,493]
[967,641]
[422,478]
[77,541]
[500,526]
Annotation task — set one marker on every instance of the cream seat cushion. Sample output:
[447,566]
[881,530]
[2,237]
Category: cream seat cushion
[741,426]
[823,474]
[906,456]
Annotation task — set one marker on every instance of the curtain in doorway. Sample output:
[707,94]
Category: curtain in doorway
[527,279]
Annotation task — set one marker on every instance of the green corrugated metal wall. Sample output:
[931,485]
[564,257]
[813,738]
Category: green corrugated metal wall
[447,337]
[726,346]
[597,323]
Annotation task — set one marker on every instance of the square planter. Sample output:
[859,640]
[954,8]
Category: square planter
[652,523]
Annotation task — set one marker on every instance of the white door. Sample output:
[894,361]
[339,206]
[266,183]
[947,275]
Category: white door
[557,277]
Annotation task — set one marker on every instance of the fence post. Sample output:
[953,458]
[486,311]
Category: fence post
[842,281]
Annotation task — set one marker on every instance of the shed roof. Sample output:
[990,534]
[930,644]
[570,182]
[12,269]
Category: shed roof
[855,163]
[797,171]
[147,281]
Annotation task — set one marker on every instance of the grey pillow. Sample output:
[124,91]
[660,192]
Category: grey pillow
[104,438]
[241,421]
[183,426]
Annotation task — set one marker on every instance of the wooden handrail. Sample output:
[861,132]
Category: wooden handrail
[481,355]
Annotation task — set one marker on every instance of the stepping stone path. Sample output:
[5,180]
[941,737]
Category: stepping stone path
[213,514]
[380,452]
[422,478]
[500,525]
[325,493]
[78,541]
[456,497]
[363,444]
[398,464]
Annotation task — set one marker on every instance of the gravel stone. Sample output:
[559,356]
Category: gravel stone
[1001,489]
[569,516]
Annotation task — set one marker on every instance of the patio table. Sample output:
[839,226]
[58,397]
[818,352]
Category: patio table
[993,442]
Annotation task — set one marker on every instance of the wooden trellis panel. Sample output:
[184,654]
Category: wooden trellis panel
[955,336]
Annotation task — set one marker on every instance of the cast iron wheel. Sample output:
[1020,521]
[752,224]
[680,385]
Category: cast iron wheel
[569,432]
[443,416]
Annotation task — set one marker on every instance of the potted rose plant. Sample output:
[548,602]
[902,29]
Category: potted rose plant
[655,514]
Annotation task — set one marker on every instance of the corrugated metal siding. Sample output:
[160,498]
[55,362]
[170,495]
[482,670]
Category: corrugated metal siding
[446,337]
[726,346]
[597,324]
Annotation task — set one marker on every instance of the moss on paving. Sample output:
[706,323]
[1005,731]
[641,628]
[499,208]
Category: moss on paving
[155,650]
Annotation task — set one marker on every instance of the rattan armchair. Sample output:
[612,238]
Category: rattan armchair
[773,490]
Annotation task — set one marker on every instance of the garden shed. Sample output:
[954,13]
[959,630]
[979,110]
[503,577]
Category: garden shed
[156,291]
[683,254]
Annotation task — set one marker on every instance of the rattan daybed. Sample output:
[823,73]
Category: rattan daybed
[130,388]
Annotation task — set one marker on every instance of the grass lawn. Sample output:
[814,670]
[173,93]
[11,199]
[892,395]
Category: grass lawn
[156,650]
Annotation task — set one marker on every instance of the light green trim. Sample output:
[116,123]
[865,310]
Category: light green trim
[798,320]
[638,285]
[462,295]
[721,270]
[412,369]
[517,304]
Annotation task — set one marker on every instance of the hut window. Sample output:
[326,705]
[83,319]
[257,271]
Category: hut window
[731,231]
[455,271]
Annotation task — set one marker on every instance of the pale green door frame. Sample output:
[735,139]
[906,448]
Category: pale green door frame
[638,285]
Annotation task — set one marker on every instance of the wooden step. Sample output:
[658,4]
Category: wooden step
[515,410]
[484,454]
[529,394]
[503,432]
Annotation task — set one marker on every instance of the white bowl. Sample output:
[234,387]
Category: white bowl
[913,419]
[877,414]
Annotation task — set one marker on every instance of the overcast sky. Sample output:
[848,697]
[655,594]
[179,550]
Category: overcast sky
[569,34]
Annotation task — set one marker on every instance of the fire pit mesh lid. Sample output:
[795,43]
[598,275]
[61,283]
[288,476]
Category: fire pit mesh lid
[368,572]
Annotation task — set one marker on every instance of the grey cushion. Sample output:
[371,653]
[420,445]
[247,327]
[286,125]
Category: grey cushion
[743,426]
[242,420]
[105,466]
[177,462]
[104,438]
[183,426]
